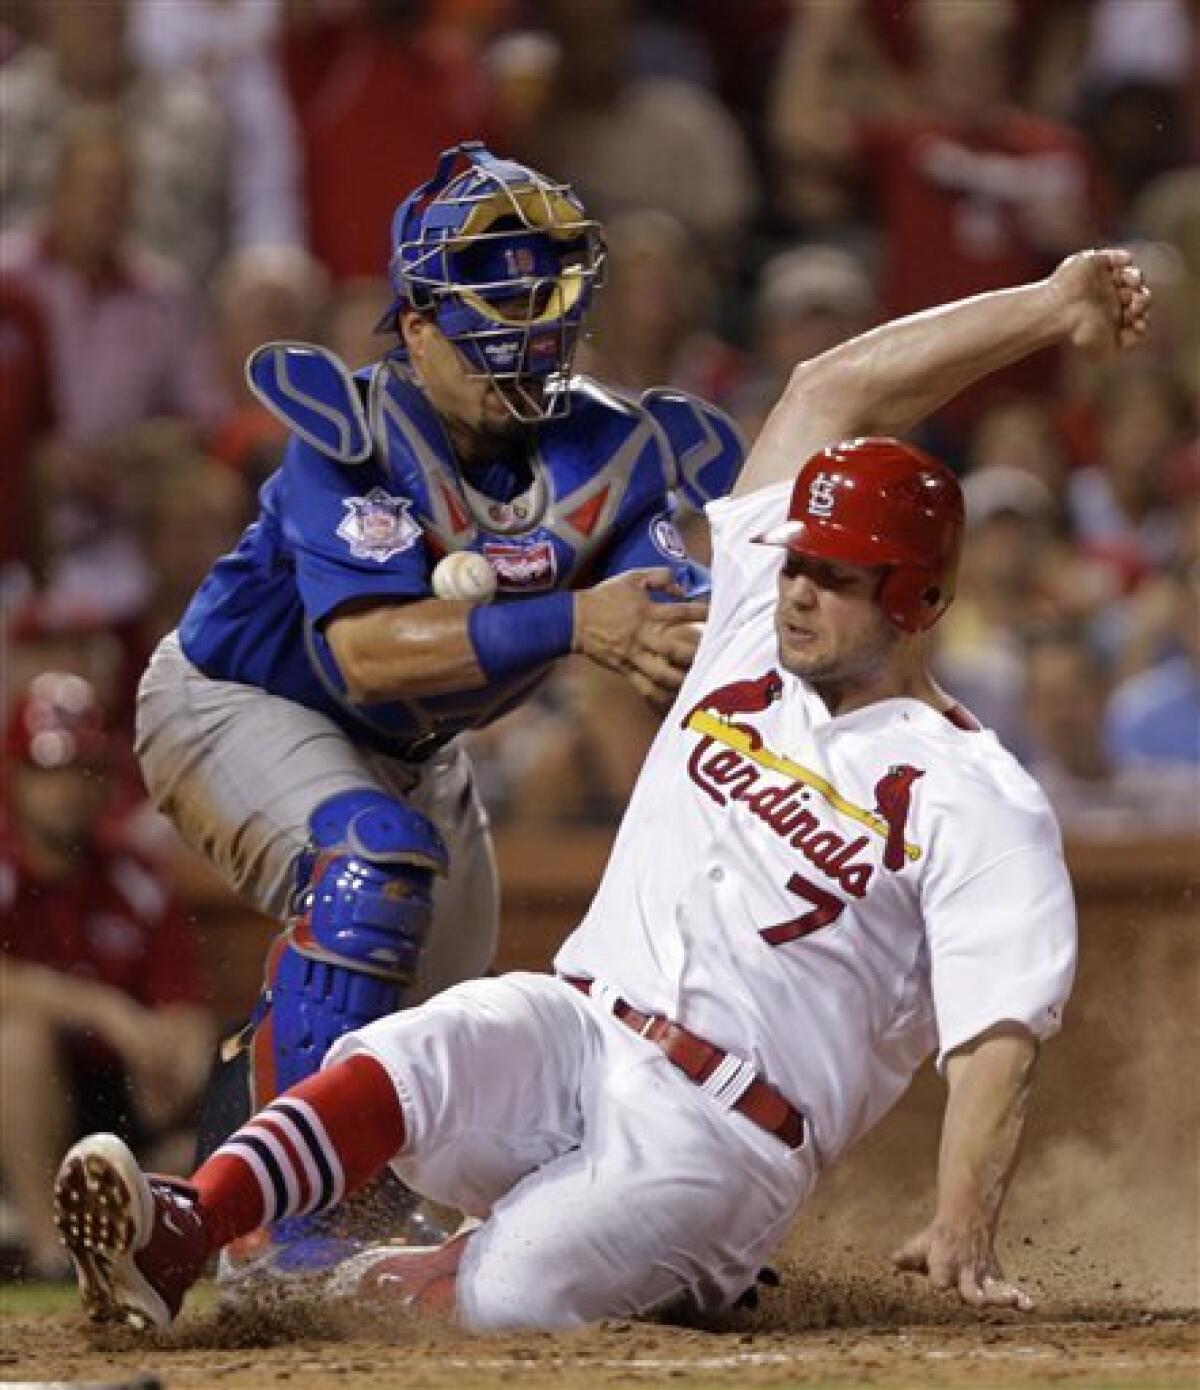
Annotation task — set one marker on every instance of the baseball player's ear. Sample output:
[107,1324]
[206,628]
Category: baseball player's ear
[414,328]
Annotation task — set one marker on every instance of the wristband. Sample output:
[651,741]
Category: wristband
[513,638]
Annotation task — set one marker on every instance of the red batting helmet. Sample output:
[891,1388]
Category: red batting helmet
[880,502]
[57,722]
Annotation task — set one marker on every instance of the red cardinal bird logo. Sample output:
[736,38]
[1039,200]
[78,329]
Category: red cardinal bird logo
[893,796]
[741,697]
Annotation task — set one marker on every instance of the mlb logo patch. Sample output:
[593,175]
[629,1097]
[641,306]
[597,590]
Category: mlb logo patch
[378,526]
[522,568]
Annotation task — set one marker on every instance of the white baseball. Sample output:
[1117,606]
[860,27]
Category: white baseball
[464,575]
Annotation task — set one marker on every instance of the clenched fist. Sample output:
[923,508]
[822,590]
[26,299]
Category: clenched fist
[1104,301]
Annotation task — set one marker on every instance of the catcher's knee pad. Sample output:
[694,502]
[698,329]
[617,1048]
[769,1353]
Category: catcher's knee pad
[362,907]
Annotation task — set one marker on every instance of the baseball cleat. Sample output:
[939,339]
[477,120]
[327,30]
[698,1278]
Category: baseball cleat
[136,1240]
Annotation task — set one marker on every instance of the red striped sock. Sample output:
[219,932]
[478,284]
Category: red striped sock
[312,1146]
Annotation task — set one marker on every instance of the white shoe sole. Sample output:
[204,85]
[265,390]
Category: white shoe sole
[104,1212]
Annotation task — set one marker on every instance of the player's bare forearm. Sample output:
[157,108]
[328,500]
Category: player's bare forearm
[989,1088]
[399,651]
[886,381]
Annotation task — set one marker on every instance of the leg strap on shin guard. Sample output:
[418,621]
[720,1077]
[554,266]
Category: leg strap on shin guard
[351,946]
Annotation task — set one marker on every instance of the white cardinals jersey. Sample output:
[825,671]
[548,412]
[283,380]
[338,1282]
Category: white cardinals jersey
[829,898]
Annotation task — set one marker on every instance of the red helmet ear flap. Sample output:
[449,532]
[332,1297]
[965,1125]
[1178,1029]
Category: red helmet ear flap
[914,598]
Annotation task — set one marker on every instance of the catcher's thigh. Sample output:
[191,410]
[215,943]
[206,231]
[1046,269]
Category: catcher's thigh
[239,773]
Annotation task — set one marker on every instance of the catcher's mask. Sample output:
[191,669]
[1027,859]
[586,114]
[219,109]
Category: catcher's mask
[505,260]
[881,502]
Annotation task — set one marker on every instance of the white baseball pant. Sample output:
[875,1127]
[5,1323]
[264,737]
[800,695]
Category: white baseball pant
[609,1185]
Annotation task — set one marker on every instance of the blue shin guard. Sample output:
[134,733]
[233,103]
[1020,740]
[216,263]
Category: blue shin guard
[351,946]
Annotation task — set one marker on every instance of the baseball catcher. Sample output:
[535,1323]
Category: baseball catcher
[299,728]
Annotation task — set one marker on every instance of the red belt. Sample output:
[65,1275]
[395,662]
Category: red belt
[698,1060]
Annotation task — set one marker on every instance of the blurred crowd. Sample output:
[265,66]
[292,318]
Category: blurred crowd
[181,182]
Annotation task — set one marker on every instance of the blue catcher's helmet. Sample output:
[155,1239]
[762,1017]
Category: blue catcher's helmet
[505,260]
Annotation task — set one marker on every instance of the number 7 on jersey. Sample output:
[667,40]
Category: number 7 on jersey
[826,907]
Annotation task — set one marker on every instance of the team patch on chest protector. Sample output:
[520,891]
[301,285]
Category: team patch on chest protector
[522,566]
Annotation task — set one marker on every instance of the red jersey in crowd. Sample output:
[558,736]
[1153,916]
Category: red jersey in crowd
[375,105]
[112,921]
[954,204]
[950,200]
[25,411]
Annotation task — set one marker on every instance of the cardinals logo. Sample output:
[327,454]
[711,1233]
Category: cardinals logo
[732,765]
[893,797]
[741,697]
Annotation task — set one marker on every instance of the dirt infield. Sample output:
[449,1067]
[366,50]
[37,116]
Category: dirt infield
[856,1333]
[1111,1259]
[1105,1318]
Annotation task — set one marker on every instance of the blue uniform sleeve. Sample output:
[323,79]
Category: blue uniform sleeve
[650,541]
[350,534]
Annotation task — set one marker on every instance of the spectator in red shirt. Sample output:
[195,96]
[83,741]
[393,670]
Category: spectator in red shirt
[25,416]
[125,345]
[100,1021]
[971,193]
[125,339]
[377,98]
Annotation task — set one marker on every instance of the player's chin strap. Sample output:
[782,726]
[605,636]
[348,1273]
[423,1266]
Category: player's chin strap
[351,948]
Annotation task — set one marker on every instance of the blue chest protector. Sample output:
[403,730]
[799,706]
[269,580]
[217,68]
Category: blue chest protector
[367,511]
